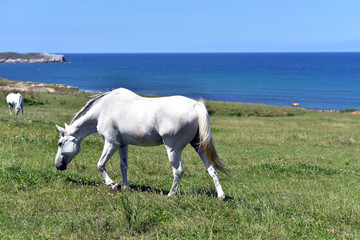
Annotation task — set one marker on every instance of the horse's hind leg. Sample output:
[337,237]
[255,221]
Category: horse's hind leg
[178,169]
[108,151]
[213,173]
[210,169]
[124,164]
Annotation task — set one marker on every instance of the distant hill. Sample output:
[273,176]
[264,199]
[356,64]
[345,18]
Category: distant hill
[13,57]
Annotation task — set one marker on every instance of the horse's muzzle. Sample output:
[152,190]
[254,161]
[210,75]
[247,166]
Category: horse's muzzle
[61,167]
[60,163]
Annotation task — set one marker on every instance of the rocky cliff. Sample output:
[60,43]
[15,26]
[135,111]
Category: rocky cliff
[12,57]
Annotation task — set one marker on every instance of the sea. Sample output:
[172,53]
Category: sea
[327,81]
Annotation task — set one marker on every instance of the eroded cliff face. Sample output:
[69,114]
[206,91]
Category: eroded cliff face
[11,57]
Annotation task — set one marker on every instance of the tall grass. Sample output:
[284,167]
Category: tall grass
[294,175]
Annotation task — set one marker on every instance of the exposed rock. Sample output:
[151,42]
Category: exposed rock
[12,57]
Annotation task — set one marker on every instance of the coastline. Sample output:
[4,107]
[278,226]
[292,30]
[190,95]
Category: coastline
[7,85]
[24,86]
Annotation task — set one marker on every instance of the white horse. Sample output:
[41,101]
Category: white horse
[121,118]
[17,101]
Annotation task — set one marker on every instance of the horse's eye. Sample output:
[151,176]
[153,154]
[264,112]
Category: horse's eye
[60,144]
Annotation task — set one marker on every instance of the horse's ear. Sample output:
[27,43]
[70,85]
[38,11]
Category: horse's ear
[61,130]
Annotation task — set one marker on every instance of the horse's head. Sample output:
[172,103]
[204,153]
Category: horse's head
[69,146]
[17,109]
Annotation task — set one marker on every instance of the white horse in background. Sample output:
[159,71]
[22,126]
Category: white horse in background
[123,118]
[17,101]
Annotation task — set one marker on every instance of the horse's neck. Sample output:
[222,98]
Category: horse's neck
[83,127]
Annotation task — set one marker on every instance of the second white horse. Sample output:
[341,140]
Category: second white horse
[17,101]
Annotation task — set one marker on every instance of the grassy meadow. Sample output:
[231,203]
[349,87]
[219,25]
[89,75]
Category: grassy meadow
[294,174]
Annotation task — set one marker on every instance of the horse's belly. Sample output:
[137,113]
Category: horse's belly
[142,139]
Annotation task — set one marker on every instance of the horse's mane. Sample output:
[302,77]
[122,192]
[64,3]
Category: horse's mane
[87,106]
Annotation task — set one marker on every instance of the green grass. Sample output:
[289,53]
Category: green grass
[294,175]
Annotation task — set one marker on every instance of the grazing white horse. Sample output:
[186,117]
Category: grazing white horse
[121,118]
[17,101]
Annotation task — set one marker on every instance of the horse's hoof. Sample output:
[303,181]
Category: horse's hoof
[221,198]
[171,194]
[116,187]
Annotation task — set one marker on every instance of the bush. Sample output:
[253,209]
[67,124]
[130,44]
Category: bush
[31,102]
[348,110]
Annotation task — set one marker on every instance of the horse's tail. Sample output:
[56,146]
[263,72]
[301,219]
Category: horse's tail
[206,139]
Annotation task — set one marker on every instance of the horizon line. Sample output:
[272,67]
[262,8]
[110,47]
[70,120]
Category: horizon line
[264,52]
[200,52]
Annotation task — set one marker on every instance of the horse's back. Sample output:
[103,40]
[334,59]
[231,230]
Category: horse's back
[14,98]
[10,97]
[175,106]
[125,101]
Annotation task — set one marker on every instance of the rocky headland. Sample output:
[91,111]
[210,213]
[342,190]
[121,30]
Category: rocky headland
[12,57]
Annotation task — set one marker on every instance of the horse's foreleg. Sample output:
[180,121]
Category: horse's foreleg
[10,109]
[178,169]
[108,151]
[213,173]
[124,164]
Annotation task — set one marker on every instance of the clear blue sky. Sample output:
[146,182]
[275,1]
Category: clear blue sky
[120,26]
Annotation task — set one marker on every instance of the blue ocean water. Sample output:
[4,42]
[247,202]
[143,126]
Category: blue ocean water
[315,80]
